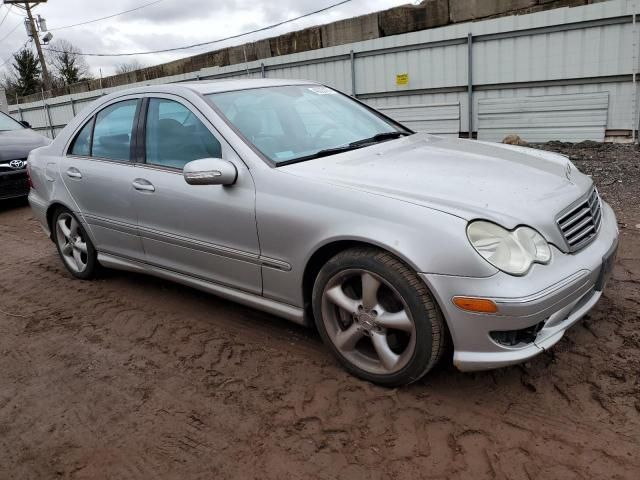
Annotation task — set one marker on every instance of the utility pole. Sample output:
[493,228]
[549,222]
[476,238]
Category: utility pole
[27,6]
[36,38]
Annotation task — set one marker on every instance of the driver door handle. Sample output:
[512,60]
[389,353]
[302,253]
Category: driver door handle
[73,172]
[143,185]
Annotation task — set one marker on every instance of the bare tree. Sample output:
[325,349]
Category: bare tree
[131,66]
[68,64]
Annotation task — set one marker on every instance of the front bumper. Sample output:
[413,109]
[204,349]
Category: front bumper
[14,184]
[544,303]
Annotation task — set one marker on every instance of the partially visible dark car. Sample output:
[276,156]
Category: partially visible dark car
[16,141]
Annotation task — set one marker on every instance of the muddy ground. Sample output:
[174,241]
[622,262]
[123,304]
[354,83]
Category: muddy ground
[133,377]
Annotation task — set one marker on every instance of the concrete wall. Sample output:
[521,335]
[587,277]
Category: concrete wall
[395,21]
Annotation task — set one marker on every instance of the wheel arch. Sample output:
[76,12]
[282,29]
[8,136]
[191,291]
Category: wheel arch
[51,209]
[326,251]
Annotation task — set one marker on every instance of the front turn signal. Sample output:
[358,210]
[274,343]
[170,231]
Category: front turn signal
[478,305]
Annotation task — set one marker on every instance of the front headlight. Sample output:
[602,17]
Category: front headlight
[512,251]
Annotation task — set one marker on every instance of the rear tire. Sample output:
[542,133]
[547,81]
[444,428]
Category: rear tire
[74,246]
[378,317]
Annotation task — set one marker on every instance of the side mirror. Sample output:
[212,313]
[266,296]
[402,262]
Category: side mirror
[210,171]
[25,124]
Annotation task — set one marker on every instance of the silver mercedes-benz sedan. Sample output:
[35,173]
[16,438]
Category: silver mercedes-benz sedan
[293,198]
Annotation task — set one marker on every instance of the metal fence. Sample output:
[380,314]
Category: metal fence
[500,76]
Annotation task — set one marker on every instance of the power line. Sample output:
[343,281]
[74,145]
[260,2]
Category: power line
[5,16]
[12,30]
[16,51]
[131,54]
[12,12]
[108,16]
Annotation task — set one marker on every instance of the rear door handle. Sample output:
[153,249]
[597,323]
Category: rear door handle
[73,172]
[143,185]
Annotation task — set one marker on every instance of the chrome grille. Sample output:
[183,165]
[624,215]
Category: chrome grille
[581,222]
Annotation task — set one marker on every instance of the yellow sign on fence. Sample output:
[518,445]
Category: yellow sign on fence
[402,79]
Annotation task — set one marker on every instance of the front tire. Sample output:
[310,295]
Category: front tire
[74,246]
[377,317]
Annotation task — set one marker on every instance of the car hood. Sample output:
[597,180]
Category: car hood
[16,144]
[470,179]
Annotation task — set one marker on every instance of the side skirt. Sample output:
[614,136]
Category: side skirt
[289,312]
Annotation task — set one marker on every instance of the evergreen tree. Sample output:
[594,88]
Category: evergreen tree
[27,72]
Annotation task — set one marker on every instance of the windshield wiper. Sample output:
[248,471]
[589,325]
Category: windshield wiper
[322,153]
[379,137]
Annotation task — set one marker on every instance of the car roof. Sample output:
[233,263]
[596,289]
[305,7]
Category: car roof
[205,87]
[215,86]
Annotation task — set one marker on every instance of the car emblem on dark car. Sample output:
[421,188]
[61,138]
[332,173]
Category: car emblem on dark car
[16,164]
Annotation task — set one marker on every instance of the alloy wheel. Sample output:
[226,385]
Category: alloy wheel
[368,321]
[71,241]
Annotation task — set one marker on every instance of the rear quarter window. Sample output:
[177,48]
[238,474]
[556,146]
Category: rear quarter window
[81,145]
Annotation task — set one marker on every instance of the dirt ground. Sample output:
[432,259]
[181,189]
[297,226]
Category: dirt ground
[133,377]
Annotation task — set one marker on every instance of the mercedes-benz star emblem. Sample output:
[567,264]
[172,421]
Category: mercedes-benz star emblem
[567,171]
[16,164]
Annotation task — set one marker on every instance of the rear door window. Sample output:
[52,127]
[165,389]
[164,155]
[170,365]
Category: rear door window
[113,131]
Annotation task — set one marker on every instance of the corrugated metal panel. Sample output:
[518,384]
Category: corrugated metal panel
[428,68]
[569,118]
[620,94]
[84,103]
[459,98]
[242,75]
[439,119]
[588,52]
[36,118]
[61,114]
[336,74]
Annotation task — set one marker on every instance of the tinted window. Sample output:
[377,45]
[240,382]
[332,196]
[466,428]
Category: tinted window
[82,142]
[290,122]
[112,133]
[175,136]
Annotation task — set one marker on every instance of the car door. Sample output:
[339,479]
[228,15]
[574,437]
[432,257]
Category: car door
[205,231]
[98,171]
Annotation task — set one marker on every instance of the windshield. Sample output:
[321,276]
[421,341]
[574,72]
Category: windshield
[299,122]
[8,123]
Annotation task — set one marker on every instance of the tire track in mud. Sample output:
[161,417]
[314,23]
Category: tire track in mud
[133,377]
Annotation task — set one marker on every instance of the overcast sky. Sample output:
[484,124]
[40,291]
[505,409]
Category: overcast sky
[169,23]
